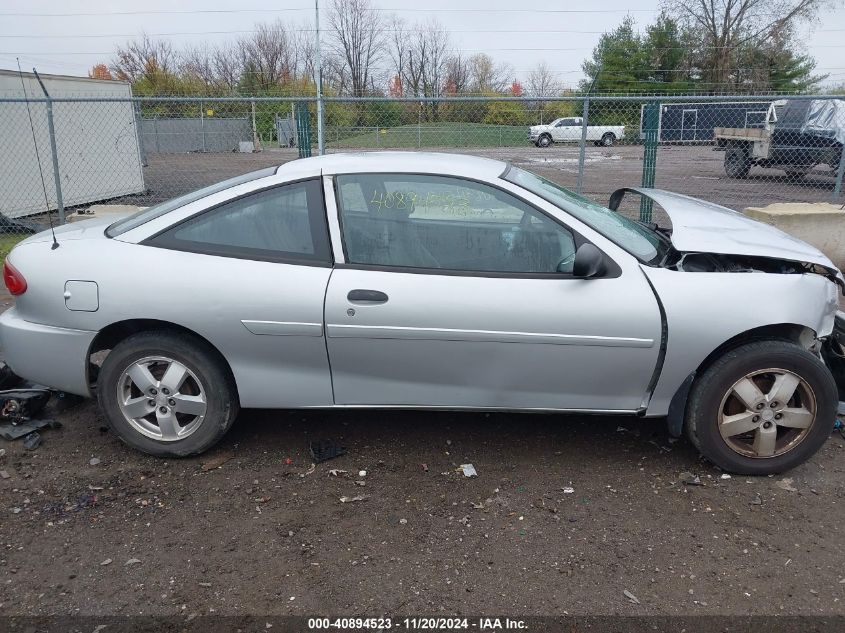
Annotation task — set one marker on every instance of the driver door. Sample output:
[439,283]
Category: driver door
[458,294]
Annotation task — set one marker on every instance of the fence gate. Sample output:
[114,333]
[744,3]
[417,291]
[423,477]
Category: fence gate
[303,129]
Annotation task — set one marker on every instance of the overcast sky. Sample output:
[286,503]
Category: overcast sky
[518,33]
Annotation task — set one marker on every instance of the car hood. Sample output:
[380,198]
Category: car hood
[704,227]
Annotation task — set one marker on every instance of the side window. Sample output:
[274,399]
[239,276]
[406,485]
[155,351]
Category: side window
[439,222]
[283,223]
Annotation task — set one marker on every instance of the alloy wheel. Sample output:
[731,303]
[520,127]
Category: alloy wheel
[767,413]
[161,398]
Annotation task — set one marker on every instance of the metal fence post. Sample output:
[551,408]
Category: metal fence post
[579,187]
[139,127]
[651,120]
[202,124]
[837,188]
[52,131]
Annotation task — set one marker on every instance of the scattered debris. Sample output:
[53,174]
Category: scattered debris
[353,499]
[403,521]
[132,561]
[468,470]
[4,474]
[424,467]
[757,500]
[324,450]
[725,476]
[631,597]
[362,473]
[108,561]
[32,441]
[786,484]
[217,461]
[360,483]
[310,470]
[2,453]
[93,461]
[337,472]
[204,584]
[568,490]
[11,431]
[688,479]
[7,376]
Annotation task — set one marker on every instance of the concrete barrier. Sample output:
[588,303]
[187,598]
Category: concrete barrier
[820,224]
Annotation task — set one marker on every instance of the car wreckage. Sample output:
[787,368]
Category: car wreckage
[436,281]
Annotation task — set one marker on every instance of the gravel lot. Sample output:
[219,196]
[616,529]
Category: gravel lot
[265,533]
[695,171]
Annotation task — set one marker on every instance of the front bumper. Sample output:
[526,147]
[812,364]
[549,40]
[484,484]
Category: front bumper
[52,356]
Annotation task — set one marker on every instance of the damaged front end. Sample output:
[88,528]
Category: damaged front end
[833,354]
[707,237]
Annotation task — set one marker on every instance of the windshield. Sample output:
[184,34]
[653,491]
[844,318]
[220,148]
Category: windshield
[639,240]
[145,215]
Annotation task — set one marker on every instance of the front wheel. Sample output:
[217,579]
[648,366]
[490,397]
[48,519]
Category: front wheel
[762,408]
[544,141]
[167,395]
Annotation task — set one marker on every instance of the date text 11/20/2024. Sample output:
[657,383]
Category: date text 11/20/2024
[416,624]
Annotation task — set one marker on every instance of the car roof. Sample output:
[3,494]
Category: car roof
[394,162]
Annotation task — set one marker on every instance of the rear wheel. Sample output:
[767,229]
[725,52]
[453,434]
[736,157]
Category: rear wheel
[167,395]
[762,408]
[737,162]
[544,141]
[608,139]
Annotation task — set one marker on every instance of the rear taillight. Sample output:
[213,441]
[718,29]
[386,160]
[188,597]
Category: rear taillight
[15,282]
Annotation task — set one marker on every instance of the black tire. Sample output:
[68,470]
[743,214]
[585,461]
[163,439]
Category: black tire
[544,141]
[608,139]
[737,162]
[196,355]
[717,380]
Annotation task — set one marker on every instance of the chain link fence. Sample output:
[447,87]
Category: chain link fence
[65,154]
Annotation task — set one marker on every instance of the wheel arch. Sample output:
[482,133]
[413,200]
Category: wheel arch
[790,332]
[116,332]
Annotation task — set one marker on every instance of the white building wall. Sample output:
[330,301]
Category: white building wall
[97,144]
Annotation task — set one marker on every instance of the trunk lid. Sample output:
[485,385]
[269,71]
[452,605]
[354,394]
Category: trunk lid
[82,230]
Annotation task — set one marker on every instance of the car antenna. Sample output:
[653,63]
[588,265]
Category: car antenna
[37,157]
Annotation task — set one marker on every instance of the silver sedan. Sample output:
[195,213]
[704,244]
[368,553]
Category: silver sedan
[405,280]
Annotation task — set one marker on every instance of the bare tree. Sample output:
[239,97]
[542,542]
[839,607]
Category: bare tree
[227,66]
[356,32]
[143,57]
[457,74]
[725,27]
[486,75]
[542,82]
[197,62]
[269,55]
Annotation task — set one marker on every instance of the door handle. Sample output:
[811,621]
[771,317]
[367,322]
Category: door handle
[360,295]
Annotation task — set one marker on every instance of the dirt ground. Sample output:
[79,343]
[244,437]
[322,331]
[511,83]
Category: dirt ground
[566,514]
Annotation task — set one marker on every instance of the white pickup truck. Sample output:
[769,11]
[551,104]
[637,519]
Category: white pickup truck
[569,129]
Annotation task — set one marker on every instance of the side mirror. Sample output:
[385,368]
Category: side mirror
[589,262]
